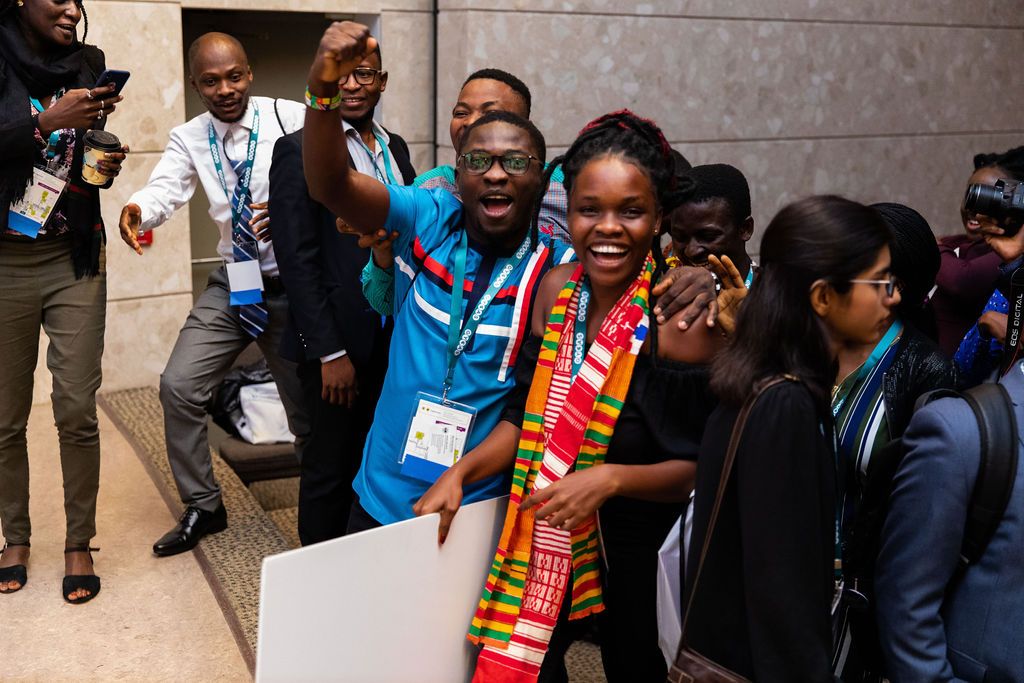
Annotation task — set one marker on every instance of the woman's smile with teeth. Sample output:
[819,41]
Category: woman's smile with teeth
[608,249]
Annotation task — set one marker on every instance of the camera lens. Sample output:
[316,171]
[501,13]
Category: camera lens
[983,199]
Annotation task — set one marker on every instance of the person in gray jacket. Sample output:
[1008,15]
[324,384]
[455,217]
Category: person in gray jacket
[934,624]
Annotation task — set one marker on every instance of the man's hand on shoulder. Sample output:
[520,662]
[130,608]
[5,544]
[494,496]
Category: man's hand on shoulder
[687,289]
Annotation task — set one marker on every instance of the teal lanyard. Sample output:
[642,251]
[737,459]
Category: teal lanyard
[246,175]
[750,276]
[876,355]
[373,160]
[579,340]
[51,143]
[458,339]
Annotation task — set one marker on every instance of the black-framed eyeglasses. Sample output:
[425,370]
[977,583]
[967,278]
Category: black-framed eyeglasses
[891,285]
[365,75]
[513,163]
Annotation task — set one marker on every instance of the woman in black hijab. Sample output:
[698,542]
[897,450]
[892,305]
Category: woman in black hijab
[52,276]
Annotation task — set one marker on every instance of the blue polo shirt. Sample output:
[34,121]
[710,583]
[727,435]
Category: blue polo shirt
[429,225]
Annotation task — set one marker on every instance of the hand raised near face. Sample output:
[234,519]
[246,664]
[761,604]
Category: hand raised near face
[343,46]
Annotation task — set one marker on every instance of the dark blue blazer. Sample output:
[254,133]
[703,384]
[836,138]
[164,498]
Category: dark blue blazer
[320,268]
[931,630]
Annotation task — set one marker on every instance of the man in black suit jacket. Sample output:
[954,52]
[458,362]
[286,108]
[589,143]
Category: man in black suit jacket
[339,342]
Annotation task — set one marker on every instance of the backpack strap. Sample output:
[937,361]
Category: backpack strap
[997,470]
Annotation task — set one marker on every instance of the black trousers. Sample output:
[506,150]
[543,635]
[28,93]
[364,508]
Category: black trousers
[334,450]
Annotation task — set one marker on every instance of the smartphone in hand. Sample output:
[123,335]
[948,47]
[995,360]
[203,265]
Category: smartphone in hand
[118,78]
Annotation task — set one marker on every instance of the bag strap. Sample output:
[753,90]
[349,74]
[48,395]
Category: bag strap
[730,457]
[278,115]
[997,469]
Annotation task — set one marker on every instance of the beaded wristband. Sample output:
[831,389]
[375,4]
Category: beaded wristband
[323,103]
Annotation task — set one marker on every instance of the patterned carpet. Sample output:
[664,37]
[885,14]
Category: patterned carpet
[262,521]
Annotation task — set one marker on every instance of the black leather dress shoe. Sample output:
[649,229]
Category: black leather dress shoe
[193,525]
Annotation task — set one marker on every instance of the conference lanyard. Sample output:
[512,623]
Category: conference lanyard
[579,341]
[245,176]
[458,339]
[876,355]
[373,160]
[51,143]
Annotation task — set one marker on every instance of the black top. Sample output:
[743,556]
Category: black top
[762,608]
[662,418]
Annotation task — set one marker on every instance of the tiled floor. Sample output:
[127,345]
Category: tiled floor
[155,619]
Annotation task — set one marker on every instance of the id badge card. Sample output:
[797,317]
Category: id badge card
[437,436]
[246,282]
[30,214]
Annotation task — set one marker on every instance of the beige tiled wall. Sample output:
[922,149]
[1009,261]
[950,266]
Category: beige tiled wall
[876,100]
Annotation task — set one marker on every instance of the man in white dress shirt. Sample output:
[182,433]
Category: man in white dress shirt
[228,149]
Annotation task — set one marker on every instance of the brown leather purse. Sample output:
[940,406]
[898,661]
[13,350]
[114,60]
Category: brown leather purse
[690,665]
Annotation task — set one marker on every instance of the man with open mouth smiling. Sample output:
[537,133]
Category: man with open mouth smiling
[474,264]
[228,150]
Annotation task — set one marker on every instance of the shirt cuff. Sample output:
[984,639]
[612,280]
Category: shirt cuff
[333,356]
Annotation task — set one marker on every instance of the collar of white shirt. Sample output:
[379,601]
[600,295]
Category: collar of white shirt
[378,131]
[222,127]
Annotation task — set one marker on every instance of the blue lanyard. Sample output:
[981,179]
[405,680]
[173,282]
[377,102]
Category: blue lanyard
[579,341]
[250,156]
[458,339]
[876,355]
[51,143]
[373,160]
[750,276]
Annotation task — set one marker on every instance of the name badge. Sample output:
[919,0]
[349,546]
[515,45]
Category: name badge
[436,438]
[246,282]
[30,214]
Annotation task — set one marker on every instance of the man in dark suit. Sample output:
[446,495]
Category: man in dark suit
[338,341]
[933,624]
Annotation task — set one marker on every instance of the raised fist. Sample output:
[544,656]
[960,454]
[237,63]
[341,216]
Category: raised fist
[343,46]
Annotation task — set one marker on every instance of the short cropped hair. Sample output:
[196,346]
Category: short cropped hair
[721,181]
[508,117]
[508,79]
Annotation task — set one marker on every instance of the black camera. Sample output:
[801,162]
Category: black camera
[1002,202]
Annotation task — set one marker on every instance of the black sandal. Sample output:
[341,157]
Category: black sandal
[89,582]
[16,572]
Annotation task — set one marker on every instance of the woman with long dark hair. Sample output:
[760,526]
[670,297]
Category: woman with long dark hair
[52,276]
[762,604]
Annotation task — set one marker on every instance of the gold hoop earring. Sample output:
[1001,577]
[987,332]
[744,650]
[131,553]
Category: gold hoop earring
[21,3]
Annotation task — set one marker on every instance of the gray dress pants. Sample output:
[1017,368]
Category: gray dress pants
[207,345]
[38,290]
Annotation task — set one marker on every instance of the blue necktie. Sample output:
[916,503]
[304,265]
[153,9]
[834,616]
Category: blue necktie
[253,317]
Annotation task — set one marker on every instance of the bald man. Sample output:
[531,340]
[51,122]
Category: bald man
[228,149]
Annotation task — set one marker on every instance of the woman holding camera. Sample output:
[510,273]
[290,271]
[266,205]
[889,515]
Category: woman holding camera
[970,267]
[52,276]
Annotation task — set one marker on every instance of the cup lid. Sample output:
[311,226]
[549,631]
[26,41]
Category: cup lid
[101,139]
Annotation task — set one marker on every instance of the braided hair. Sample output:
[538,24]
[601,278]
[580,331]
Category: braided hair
[1011,161]
[637,140]
[7,7]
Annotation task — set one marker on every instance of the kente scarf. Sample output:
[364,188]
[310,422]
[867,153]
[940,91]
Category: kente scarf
[567,422]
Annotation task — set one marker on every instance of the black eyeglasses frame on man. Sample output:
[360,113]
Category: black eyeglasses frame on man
[507,161]
[364,75]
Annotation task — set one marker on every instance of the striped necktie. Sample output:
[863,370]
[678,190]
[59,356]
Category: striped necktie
[253,317]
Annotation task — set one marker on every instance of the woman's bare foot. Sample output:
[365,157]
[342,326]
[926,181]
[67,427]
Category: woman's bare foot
[78,563]
[13,555]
